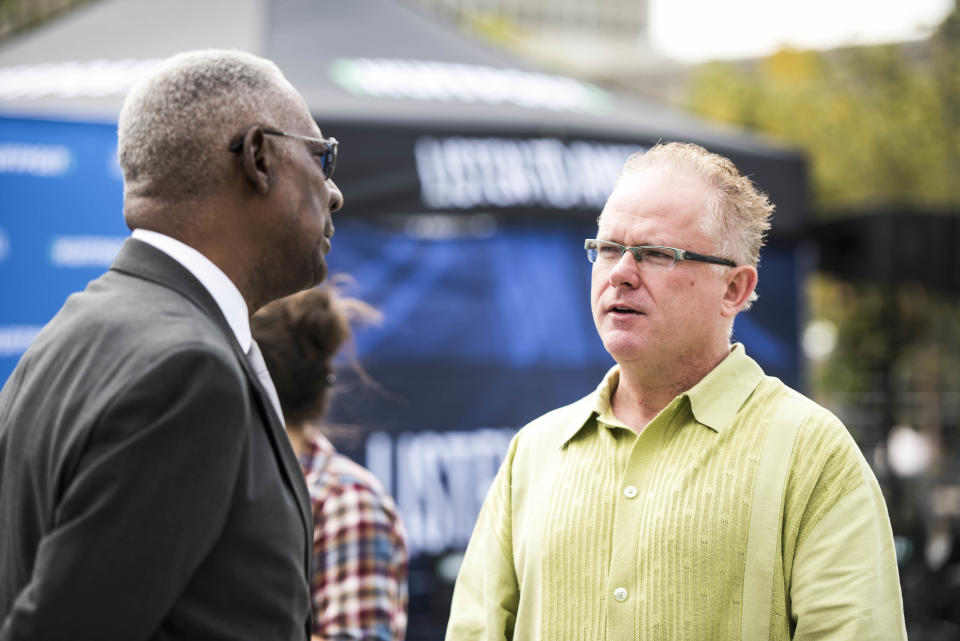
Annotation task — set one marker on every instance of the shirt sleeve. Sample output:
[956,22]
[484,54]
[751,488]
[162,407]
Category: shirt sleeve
[486,595]
[845,582]
[360,566]
[140,508]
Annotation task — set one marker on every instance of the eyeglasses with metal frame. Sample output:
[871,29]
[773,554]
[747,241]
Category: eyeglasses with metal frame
[328,157]
[607,252]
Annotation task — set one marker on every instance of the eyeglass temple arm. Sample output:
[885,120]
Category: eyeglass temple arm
[237,144]
[688,255]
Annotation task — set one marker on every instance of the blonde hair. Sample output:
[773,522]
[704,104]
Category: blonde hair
[738,214]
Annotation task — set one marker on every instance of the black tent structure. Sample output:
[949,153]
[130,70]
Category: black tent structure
[470,182]
[382,76]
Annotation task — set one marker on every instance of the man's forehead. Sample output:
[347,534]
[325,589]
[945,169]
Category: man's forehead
[657,189]
[614,224]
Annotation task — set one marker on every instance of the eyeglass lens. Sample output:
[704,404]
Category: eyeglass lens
[329,159]
[608,254]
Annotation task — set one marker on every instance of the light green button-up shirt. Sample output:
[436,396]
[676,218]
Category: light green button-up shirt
[591,531]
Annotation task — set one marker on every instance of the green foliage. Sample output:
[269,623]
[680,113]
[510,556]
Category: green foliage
[879,128]
[897,351]
[492,27]
[946,75]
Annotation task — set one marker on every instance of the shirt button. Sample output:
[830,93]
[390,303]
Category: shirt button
[630,491]
[620,594]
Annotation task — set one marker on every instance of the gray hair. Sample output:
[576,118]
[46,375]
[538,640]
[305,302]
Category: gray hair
[738,214]
[177,123]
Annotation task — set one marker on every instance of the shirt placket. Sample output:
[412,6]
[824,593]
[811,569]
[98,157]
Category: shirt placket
[625,594]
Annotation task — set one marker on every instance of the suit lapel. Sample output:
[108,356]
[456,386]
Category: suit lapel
[284,453]
[142,260]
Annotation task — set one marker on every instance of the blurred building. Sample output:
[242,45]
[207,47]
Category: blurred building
[601,41]
[627,17]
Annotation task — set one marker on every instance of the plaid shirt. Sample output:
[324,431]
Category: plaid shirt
[359,550]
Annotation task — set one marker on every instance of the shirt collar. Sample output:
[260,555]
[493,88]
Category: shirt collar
[596,404]
[221,288]
[317,445]
[320,443]
[714,400]
[719,395]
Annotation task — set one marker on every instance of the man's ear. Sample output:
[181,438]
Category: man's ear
[256,165]
[741,281]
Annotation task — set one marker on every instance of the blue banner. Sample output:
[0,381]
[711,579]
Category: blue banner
[61,220]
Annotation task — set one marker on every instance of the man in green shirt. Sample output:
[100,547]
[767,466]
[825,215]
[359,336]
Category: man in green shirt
[690,496]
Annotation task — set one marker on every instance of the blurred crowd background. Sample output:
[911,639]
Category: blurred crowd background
[862,278]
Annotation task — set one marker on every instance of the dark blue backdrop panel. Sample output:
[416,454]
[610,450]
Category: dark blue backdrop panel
[503,306]
[498,329]
[512,299]
[60,219]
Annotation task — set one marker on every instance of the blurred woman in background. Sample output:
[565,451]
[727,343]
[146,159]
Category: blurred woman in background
[360,560]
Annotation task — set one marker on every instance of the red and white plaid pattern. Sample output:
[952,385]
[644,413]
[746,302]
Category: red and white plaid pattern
[360,557]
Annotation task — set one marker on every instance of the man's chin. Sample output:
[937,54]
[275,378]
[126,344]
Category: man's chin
[623,349]
[319,270]
[310,280]
[322,274]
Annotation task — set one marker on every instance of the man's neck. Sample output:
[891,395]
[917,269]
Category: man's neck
[643,392]
[635,404]
[209,226]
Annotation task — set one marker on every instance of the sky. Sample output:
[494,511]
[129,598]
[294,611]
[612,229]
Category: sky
[700,30]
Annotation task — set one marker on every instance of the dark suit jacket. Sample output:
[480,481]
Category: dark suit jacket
[146,490]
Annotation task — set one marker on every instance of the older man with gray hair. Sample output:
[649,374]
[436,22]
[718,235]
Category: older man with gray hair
[147,487]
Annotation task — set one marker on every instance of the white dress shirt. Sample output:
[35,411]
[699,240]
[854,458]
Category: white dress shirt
[224,292]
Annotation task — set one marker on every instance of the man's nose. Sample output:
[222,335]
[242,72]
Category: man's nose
[336,197]
[626,271]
